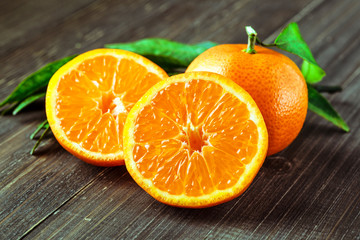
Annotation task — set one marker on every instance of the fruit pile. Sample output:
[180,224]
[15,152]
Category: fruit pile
[196,139]
[191,140]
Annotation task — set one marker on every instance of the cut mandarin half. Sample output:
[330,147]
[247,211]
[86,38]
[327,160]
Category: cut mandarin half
[88,100]
[195,140]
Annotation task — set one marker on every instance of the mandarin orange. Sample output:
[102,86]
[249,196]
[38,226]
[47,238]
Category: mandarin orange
[88,99]
[272,79]
[195,140]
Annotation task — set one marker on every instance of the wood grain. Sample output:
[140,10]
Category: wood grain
[33,18]
[308,191]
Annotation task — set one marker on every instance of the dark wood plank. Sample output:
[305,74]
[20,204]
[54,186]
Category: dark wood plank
[104,213]
[42,50]
[310,190]
[107,21]
[33,187]
[311,199]
[21,21]
[88,28]
[79,219]
[68,38]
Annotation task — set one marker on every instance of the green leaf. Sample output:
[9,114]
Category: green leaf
[42,125]
[290,40]
[167,54]
[319,105]
[47,128]
[27,101]
[35,82]
[312,73]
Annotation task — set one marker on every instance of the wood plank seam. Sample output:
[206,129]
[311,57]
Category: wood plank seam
[303,13]
[351,206]
[286,193]
[319,191]
[34,38]
[208,235]
[69,199]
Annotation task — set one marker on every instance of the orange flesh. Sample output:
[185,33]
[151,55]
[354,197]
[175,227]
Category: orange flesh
[94,98]
[185,131]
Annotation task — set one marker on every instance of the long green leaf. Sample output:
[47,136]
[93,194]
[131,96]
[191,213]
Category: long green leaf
[290,40]
[27,101]
[35,82]
[47,129]
[319,105]
[167,54]
[42,125]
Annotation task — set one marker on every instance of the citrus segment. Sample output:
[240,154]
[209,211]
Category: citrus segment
[88,100]
[195,140]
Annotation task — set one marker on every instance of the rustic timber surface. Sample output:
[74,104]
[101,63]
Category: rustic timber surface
[309,191]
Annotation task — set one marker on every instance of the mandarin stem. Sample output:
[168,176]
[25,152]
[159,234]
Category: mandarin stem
[258,41]
[251,40]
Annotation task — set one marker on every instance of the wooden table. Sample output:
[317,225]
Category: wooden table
[309,191]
